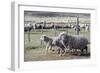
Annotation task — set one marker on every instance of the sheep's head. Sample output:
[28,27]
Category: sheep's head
[42,37]
[55,41]
[61,34]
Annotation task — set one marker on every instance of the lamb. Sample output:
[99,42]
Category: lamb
[48,41]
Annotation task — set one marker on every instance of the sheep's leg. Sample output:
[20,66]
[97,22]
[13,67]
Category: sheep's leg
[78,52]
[73,51]
[60,52]
[50,48]
[47,46]
[82,51]
[64,45]
[63,51]
[66,49]
[86,50]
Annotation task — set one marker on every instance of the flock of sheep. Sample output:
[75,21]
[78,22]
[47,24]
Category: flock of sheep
[33,26]
[66,43]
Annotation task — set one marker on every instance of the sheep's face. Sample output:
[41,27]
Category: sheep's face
[55,41]
[62,33]
[42,37]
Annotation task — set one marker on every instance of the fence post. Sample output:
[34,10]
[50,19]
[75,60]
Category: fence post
[28,34]
[77,26]
[55,29]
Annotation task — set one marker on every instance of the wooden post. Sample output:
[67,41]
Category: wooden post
[55,29]
[28,34]
[55,32]
[68,23]
[77,26]
[42,34]
[41,44]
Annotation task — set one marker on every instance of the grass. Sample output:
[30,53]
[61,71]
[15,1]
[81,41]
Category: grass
[34,51]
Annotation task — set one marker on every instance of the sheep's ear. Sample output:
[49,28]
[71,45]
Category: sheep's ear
[44,36]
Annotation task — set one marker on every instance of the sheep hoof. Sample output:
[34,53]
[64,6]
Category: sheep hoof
[64,54]
[60,55]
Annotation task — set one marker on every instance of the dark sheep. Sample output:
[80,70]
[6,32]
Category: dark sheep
[73,41]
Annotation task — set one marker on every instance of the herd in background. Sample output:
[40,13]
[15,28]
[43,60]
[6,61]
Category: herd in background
[34,26]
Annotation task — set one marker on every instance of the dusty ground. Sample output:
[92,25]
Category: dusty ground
[33,55]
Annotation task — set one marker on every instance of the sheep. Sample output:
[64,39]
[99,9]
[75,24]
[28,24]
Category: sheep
[73,42]
[51,42]
[28,27]
[48,42]
[66,43]
[58,43]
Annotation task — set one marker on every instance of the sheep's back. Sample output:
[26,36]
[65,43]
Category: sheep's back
[77,42]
